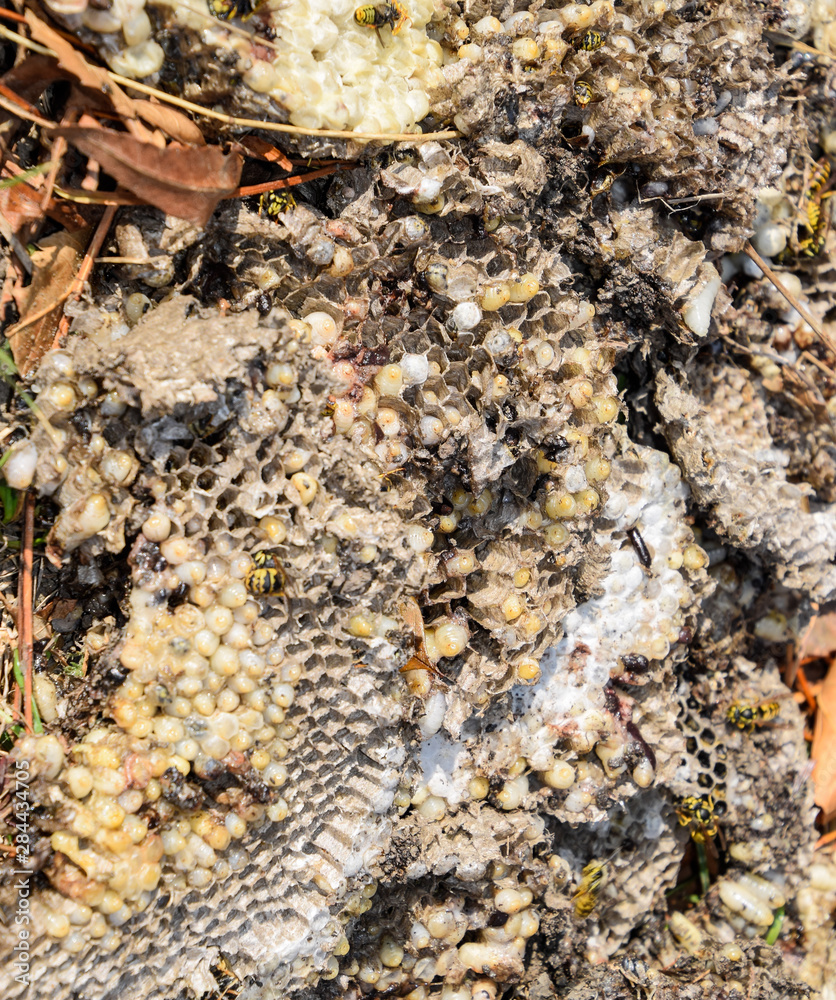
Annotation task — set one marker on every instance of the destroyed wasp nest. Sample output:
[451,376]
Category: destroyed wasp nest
[407,603]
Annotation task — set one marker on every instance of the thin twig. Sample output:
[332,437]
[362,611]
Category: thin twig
[819,364]
[59,147]
[250,36]
[24,604]
[19,249]
[18,112]
[90,255]
[92,250]
[18,327]
[152,261]
[251,189]
[12,15]
[82,197]
[691,199]
[803,311]
[805,688]
[13,97]
[828,838]
[781,38]
[27,43]
[316,133]
[83,272]
[696,198]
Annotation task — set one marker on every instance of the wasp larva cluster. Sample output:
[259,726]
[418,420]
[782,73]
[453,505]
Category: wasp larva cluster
[468,949]
[323,67]
[125,29]
[206,691]
[564,730]
[751,901]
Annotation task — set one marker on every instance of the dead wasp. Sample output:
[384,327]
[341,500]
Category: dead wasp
[228,10]
[266,575]
[693,222]
[819,177]
[378,15]
[229,985]
[590,40]
[582,93]
[602,186]
[274,203]
[812,245]
[748,717]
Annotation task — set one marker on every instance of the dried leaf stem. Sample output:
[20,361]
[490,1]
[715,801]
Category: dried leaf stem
[324,133]
[251,189]
[805,313]
[92,250]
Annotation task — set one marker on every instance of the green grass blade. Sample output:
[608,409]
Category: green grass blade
[37,725]
[774,931]
[41,168]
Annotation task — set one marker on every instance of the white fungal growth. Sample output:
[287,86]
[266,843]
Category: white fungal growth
[636,613]
[466,316]
[415,369]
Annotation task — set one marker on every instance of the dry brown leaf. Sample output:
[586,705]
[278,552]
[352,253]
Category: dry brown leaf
[54,267]
[187,182]
[74,62]
[93,77]
[29,78]
[173,123]
[411,614]
[43,618]
[820,640]
[37,71]
[20,205]
[265,151]
[823,751]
